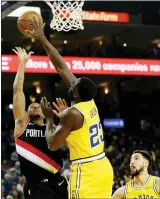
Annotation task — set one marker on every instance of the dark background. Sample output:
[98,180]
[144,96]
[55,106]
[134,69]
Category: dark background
[134,98]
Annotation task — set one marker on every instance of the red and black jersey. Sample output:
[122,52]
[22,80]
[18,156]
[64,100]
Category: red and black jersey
[36,160]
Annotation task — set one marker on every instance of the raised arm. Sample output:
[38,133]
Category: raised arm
[56,59]
[55,137]
[19,103]
[58,62]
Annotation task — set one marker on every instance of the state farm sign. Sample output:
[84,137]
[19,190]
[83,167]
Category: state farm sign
[105,16]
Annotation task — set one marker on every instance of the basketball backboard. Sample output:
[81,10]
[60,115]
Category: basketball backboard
[9,6]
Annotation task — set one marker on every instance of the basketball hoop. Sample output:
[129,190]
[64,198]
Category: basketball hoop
[66,14]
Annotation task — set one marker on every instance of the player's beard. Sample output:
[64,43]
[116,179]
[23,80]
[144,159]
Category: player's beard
[137,172]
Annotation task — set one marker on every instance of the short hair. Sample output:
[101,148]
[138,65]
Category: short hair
[87,89]
[146,155]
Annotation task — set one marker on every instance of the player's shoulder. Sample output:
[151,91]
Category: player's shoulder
[156,179]
[20,125]
[21,122]
[68,115]
[157,185]
[72,117]
[119,193]
[71,111]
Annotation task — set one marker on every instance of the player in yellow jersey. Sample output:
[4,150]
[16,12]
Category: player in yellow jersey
[80,127]
[143,185]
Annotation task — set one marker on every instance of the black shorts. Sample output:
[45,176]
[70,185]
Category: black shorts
[47,190]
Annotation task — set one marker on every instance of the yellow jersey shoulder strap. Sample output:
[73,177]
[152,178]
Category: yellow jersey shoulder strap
[85,108]
[83,105]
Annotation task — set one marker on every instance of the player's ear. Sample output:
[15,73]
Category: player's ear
[146,163]
[75,94]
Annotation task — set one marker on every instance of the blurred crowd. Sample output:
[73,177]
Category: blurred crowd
[118,148]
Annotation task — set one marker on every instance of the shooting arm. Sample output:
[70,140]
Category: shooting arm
[56,137]
[19,103]
[58,62]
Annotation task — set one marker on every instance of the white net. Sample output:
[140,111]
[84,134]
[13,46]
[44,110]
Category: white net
[66,14]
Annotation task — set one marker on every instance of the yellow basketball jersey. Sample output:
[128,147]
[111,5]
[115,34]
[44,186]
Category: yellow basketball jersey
[147,191]
[88,140]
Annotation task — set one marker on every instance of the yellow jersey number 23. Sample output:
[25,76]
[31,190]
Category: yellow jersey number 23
[96,134]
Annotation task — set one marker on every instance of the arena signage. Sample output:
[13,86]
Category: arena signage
[86,65]
[105,16]
[113,123]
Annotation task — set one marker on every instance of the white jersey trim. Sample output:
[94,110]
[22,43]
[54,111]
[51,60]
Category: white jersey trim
[142,185]
[35,159]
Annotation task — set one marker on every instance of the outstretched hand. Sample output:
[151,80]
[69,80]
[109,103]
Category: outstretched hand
[46,108]
[22,54]
[60,106]
[38,29]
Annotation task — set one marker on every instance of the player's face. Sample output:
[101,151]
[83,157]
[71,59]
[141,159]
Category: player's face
[34,110]
[136,164]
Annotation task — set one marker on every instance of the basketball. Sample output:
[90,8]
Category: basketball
[24,23]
